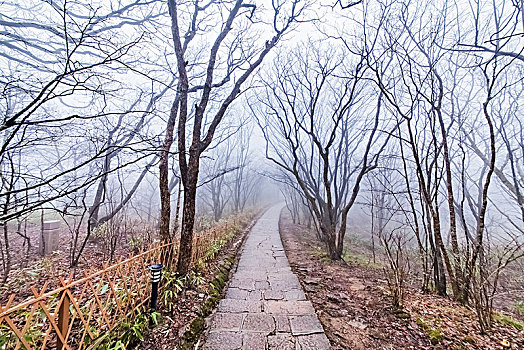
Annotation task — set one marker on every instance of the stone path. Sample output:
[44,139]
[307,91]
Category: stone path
[265,307]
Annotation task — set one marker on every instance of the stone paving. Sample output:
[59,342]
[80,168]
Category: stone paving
[264,306]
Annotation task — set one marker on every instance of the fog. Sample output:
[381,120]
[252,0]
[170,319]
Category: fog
[397,120]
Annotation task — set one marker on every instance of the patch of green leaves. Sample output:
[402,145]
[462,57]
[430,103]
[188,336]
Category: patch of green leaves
[434,333]
[130,331]
[172,285]
[504,319]
[519,306]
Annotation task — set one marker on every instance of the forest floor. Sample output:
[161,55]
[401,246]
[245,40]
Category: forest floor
[31,270]
[353,304]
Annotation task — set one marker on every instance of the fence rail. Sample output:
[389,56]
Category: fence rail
[76,314]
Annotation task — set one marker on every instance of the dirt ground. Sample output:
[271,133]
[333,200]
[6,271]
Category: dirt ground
[29,269]
[353,305]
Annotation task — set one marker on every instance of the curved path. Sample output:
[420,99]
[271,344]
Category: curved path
[265,307]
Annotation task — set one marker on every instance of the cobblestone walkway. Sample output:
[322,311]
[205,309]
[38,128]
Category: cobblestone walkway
[265,307]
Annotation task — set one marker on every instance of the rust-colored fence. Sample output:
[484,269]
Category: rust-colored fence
[79,313]
[81,310]
[207,243]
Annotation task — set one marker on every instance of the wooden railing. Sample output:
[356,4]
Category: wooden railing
[81,311]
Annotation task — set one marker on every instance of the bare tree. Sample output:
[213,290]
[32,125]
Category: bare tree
[118,139]
[313,129]
[243,178]
[223,60]
[213,190]
[444,98]
[36,84]
[64,76]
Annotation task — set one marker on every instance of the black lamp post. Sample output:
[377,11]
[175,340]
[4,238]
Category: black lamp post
[156,274]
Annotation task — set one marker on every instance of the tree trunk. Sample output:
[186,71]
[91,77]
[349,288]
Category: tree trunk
[165,194]
[99,195]
[439,275]
[330,239]
[456,279]
[440,257]
[188,217]
[176,226]
[6,258]
[334,253]
[165,198]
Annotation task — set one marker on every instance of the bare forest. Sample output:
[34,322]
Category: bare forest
[143,132]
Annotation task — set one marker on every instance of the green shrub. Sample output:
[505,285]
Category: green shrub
[435,334]
[501,318]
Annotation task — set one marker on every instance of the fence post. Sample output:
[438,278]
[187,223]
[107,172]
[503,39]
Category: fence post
[63,319]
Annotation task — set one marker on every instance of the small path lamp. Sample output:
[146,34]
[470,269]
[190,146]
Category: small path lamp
[156,274]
